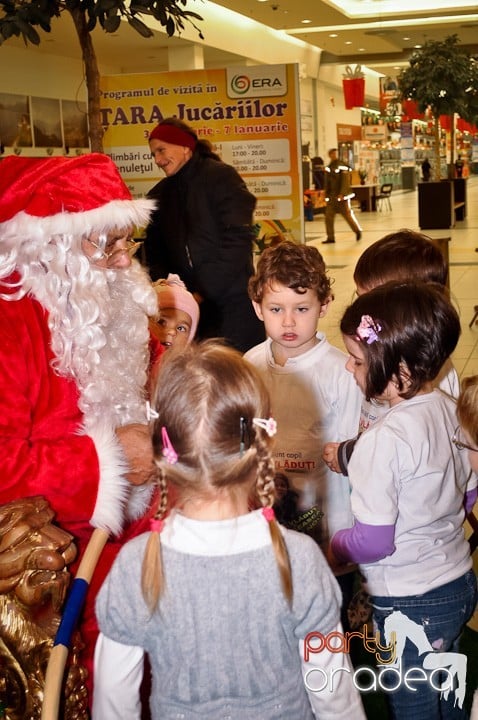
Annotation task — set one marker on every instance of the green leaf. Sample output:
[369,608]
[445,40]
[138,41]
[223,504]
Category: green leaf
[437,76]
[170,26]
[140,27]
[7,30]
[112,23]
[29,33]
[189,14]
[103,6]
[160,16]
[137,7]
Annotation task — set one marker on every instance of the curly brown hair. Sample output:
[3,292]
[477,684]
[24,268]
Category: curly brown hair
[297,266]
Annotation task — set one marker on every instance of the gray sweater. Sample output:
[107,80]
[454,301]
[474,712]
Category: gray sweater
[224,644]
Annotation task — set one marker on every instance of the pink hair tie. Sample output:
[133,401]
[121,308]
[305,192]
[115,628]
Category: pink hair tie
[156,525]
[168,452]
[269,514]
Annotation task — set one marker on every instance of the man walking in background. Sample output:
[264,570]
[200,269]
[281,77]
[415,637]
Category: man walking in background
[337,196]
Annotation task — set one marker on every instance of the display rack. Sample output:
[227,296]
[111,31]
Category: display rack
[424,143]
[390,167]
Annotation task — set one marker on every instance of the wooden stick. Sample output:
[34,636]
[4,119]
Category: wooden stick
[59,654]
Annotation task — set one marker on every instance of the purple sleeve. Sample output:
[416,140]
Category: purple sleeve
[363,543]
[470,499]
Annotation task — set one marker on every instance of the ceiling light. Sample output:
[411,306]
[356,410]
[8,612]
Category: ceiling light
[417,47]
[406,38]
[305,22]
[333,35]
[348,42]
[361,49]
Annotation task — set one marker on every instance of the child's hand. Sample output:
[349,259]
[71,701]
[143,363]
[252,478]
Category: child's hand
[338,567]
[329,456]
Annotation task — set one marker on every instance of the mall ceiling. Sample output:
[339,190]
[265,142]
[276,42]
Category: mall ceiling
[370,32]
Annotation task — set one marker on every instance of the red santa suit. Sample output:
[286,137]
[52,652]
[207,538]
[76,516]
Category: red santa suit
[74,349]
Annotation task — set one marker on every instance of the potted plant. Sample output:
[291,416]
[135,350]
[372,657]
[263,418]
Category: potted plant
[442,79]
[363,175]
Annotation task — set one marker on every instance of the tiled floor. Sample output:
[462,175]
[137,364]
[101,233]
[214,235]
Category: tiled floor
[341,258]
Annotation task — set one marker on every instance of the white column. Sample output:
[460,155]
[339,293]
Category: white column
[187,57]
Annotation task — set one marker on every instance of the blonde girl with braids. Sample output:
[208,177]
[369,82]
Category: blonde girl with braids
[220,597]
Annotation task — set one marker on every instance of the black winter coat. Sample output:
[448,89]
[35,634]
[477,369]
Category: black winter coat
[203,231]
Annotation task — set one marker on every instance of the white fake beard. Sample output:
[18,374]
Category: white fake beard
[99,328]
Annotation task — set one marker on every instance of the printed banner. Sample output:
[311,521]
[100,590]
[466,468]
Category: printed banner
[389,104]
[249,114]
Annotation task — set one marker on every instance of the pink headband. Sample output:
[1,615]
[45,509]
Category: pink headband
[173,135]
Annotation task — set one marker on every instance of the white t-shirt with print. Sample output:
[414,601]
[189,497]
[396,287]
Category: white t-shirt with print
[314,400]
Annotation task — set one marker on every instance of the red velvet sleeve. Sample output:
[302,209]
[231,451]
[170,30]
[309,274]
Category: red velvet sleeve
[42,451]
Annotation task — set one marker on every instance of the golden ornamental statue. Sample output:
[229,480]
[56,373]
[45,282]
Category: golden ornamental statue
[34,578]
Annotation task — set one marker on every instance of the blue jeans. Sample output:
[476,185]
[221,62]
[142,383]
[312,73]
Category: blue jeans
[426,627]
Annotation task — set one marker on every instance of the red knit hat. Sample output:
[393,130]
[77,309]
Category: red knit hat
[62,195]
[173,135]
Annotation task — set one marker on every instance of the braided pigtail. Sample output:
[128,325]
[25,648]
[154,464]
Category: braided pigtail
[152,579]
[265,490]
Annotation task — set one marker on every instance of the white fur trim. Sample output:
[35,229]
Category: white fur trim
[113,214]
[113,487]
[139,500]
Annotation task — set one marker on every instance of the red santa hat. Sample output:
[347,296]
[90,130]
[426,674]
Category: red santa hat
[61,195]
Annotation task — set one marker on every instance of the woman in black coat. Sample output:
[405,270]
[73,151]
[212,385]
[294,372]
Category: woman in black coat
[203,231]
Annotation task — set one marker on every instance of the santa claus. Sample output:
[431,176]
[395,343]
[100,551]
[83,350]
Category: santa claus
[74,347]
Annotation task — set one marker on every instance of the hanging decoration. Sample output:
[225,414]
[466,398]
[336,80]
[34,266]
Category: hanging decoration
[353,84]
[445,122]
[410,110]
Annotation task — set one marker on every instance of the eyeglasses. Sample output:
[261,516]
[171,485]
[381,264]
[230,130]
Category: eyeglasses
[130,248]
[458,442]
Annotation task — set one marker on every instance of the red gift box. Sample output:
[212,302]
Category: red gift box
[354,92]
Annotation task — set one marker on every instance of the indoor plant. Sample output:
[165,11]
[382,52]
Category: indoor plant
[442,79]
[363,175]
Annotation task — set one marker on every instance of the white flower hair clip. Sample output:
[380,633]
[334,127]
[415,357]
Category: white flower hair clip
[150,413]
[269,425]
